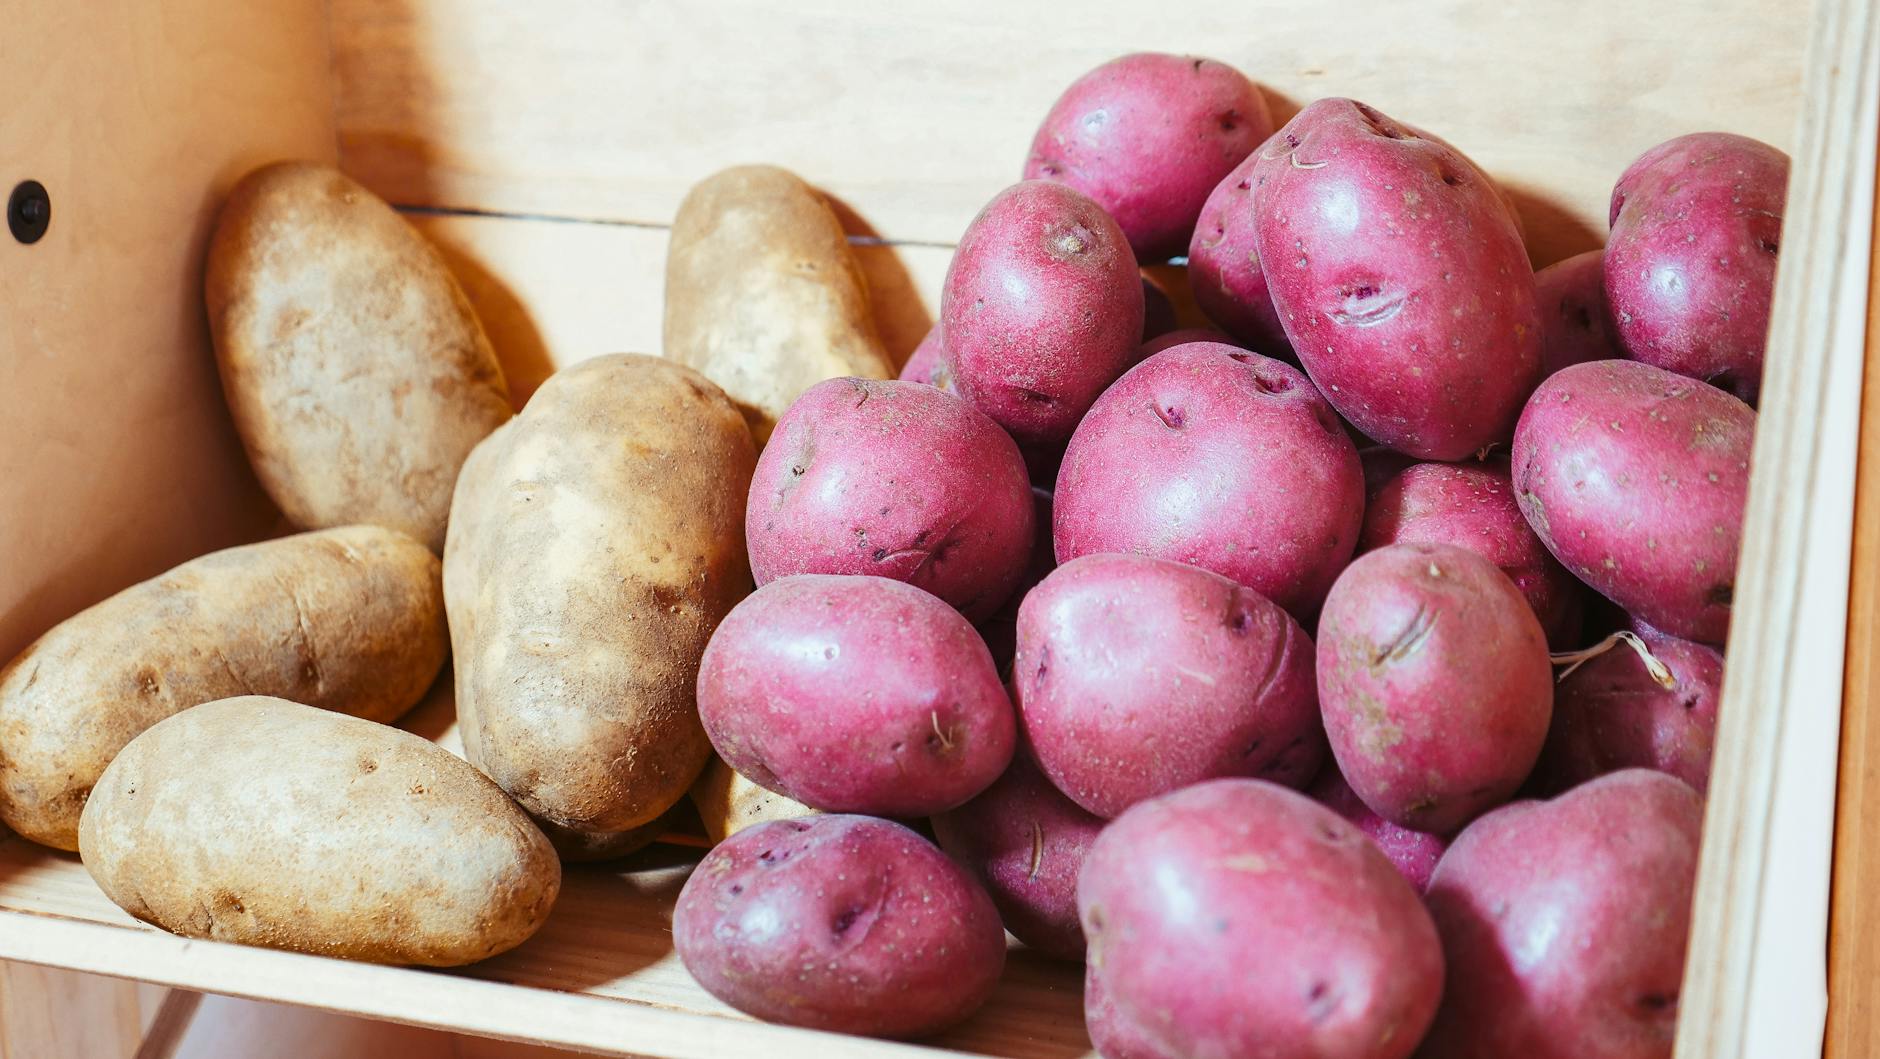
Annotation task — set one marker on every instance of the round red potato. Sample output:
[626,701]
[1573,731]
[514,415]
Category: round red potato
[1210,455]
[1239,918]
[1181,337]
[1691,261]
[894,479]
[1400,277]
[928,363]
[1612,714]
[1224,266]
[1472,506]
[1414,853]
[842,923]
[1113,1036]
[1575,324]
[1026,842]
[855,694]
[1148,136]
[1565,922]
[1041,309]
[1434,682]
[1136,676]
[1635,479]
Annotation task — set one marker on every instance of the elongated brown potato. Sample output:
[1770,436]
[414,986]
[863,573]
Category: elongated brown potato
[348,619]
[356,370]
[202,827]
[763,294]
[595,542]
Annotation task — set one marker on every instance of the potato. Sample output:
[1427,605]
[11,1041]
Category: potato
[1224,268]
[1147,136]
[727,803]
[595,543]
[855,694]
[1613,713]
[1420,644]
[1414,853]
[1691,262]
[1400,278]
[1239,918]
[842,923]
[1181,337]
[357,373]
[1576,324]
[1136,676]
[1113,1036]
[928,362]
[1565,923]
[1473,506]
[1210,455]
[1635,479]
[897,480]
[763,295]
[202,826]
[1026,842]
[1041,309]
[349,619]
[1381,466]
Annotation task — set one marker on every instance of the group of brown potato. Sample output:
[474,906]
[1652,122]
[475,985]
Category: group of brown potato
[1093,594]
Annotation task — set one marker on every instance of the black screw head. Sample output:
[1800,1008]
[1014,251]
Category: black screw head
[29,211]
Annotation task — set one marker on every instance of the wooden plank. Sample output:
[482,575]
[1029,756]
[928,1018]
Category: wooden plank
[56,1014]
[1854,932]
[916,114]
[1754,981]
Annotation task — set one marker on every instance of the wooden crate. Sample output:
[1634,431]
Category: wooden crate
[545,146]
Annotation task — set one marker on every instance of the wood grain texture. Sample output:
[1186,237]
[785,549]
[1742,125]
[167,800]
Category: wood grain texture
[914,115]
[1854,914]
[1755,977]
[56,1014]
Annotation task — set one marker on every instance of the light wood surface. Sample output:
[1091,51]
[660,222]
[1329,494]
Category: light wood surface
[1755,977]
[47,1013]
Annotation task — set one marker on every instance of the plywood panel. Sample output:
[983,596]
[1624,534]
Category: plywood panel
[53,1014]
[915,114]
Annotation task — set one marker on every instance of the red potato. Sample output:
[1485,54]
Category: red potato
[1400,278]
[1026,842]
[1414,853]
[1224,266]
[1238,918]
[855,694]
[1381,465]
[1434,683]
[1001,630]
[843,923]
[1210,455]
[928,363]
[1565,923]
[893,479]
[1691,261]
[1473,506]
[1041,309]
[1113,1036]
[1635,479]
[1148,136]
[1613,713]
[1576,325]
[1136,676]
[1182,337]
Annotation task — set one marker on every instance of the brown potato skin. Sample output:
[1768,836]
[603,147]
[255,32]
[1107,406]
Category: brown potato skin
[728,803]
[200,827]
[357,373]
[595,543]
[763,295]
[348,619]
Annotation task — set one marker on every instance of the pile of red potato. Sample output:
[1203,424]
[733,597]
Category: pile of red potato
[1221,659]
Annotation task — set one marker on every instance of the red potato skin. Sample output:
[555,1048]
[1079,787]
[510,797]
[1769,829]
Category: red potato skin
[843,923]
[1434,683]
[1400,277]
[1413,853]
[897,480]
[1041,309]
[1635,479]
[1136,676]
[928,363]
[1209,455]
[1473,506]
[1691,260]
[1001,630]
[1148,136]
[855,694]
[1224,266]
[1576,325]
[1182,337]
[1239,918]
[1026,843]
[1565,924]
[1609,714]
[1113,1036]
